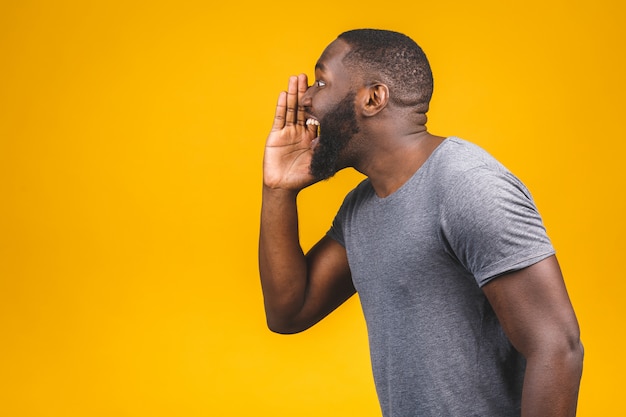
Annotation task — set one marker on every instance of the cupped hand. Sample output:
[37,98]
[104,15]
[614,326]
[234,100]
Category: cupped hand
[288,149]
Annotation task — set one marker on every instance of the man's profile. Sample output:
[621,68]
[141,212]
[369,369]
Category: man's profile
[466,308]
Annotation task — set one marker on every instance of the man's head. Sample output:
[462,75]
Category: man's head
[393,59]
[357,76]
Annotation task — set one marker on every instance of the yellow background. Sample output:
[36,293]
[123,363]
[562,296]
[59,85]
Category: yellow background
[131,139]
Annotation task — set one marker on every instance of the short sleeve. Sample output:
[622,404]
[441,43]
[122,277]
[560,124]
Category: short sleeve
[336,231]
[491,225]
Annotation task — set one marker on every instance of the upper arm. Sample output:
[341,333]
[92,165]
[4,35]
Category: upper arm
[491,225]
[329,284]
[534,309]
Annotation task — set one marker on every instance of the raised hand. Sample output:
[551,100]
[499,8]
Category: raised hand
[288,149]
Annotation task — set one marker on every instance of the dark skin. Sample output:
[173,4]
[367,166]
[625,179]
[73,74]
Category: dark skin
[532,304]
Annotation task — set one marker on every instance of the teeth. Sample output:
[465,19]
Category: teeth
[312,122]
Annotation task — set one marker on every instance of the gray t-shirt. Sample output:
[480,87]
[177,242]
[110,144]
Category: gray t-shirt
[418,259]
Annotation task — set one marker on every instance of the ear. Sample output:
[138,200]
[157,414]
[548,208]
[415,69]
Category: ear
[374,98]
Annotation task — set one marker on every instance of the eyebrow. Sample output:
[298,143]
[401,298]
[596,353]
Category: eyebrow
[320,66]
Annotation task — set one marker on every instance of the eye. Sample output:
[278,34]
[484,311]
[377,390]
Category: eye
[320,83]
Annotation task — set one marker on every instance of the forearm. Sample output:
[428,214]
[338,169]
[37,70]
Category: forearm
[552,381]
[282,264]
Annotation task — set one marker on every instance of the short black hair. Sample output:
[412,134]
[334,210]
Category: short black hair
[393,59]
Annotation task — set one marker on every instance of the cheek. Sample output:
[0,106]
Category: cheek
[325,101]
[322,107]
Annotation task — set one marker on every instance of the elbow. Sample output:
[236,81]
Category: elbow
[572,348]
[285,327]
[282,330]
[578,349]
[571,357]
[564,352]
[284,323]
[284,318]
[577,352]
[552,345]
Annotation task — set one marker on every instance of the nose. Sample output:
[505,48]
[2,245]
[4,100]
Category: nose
[307,98]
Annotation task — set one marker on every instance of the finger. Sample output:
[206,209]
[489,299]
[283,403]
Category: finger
[281,107]
[292,101]
[302,87]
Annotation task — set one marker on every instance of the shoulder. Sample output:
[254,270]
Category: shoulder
[359,194]
[351,203]
[461,167]
[458,156]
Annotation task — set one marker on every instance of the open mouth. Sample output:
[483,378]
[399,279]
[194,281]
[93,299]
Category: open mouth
[310,121]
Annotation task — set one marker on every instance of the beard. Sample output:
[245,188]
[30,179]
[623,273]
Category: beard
[337,128]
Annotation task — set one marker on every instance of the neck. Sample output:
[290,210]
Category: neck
[396,158]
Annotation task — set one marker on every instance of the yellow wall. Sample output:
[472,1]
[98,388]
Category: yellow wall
[131,138]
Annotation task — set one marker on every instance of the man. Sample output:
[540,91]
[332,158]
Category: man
[465,304]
